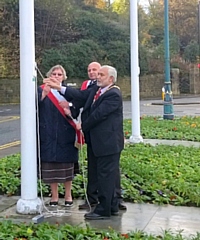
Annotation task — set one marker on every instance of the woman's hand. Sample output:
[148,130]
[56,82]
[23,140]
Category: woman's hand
[45,91]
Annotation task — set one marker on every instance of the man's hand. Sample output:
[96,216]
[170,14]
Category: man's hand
[67,112]
[78,126]
[52,82]
[64,104]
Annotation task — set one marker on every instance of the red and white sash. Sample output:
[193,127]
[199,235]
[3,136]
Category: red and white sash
[79,135]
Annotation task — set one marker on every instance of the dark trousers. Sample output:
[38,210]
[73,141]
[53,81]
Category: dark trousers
[102,172]
[93,182]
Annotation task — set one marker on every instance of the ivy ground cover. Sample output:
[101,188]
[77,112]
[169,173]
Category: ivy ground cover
[183,128]
[155,174]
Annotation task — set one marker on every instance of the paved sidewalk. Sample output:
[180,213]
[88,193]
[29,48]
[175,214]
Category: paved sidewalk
[150,218]
[154,142]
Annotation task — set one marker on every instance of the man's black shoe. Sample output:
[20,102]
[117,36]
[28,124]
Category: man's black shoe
[122,206]
[115,213]
[94,216]
[85,206]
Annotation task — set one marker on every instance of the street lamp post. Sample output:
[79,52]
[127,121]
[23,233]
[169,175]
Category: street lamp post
[168,100]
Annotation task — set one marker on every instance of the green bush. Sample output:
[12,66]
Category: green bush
[184,128]
[74,57]
[10,174]
[161,174]
[143,60]
[191,52]
[46,231]
[99,28]
[118,54]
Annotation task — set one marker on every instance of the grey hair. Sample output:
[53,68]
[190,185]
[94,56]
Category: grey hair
[112,72]
[57,67]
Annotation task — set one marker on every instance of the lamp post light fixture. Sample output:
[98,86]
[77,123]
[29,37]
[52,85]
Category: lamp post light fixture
[168,99]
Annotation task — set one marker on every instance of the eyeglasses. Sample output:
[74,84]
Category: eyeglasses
[58,74]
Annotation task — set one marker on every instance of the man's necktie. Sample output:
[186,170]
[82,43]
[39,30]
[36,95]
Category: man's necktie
[98,93]
[92,82]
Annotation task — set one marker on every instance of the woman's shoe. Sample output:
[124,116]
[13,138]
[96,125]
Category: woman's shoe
[53,204]
[68,203]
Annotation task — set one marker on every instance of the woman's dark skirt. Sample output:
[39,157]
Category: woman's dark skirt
[57,172]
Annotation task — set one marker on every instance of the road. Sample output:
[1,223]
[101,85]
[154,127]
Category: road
[182,106]
[10,118]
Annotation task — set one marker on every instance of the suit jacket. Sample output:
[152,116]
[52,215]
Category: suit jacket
[102,121]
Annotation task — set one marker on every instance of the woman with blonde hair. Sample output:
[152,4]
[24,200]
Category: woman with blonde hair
[57,137]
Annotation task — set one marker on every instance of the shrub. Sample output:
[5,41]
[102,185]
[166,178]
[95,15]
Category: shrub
[74,57]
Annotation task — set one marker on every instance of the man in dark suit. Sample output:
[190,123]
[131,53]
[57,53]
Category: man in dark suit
[92,199]
[102,124]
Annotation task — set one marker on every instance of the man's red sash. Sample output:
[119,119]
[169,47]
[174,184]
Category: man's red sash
[84,85]
[80,138]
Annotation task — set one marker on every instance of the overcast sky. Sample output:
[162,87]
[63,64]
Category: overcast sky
[143,2]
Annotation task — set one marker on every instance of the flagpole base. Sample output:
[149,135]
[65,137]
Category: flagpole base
[135,139]
[32,206]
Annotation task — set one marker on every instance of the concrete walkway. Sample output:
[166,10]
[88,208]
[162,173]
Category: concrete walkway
[154,142]
[150,218]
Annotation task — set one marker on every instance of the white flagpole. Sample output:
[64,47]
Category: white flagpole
[29,203]
[135,98]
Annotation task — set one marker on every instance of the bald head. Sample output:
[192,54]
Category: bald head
[93,69]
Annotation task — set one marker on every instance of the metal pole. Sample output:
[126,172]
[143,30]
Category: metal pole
[168,100]
[135,99]
[29,202]
[199,29]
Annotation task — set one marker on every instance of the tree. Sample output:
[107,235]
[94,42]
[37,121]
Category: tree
[118,54]
[156,21]
[182,20]
[100,29]
[159,51]
[52,20]
[143,27]
[191,52]
[9,38]
[120,6]
[96,3]
[84,30]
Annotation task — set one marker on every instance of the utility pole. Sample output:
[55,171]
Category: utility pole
[135,98]
[29,203]
[199,29]
[168,100]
